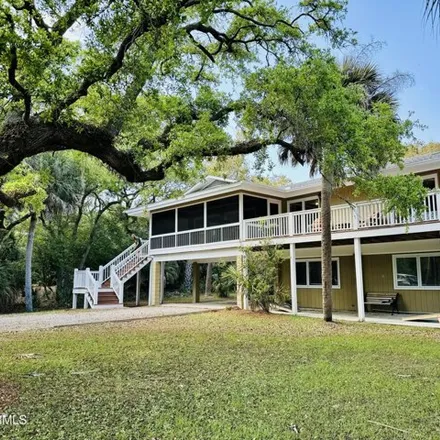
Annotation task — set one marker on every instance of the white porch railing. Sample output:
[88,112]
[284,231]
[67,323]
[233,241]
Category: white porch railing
[344,218]
[373,214]
[193,237]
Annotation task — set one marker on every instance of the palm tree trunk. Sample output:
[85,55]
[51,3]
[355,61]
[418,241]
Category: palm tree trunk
[28,265]
[326,248]
[187,280]
[208,284]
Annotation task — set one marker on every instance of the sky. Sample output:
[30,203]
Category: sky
[411,46]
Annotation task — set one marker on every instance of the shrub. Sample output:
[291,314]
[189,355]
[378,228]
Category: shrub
[259,277]
[223,284]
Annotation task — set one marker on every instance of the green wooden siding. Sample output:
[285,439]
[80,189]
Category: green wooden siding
[378,277]
[343,298]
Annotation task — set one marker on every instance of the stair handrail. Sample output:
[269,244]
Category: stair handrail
[136,257]
[116,284]
[92,286]
[104,271]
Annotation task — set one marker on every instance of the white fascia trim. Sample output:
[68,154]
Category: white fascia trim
[264,190]
[140,211]
[419,167]
[304,188]
[296,190]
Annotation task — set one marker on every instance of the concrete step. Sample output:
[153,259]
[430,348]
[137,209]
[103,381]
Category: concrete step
[108,306]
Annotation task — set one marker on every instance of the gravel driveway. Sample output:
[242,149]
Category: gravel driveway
[44,320]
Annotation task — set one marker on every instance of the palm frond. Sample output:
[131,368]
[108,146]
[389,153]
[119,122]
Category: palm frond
[363,73]
[377,87]
[432,10]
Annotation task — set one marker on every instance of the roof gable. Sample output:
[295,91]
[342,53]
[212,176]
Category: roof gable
[208,183]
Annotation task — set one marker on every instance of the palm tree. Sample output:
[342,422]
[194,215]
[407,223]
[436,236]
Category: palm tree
[432,9]
[61,197]
[377,88]
[28,263]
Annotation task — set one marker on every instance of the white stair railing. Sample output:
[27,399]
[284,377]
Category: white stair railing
[104,271]
[132,261]
[116,284]
[89,282]
[86,279]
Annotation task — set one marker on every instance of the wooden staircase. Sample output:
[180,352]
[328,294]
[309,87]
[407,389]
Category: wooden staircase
[107,297]
[105,288]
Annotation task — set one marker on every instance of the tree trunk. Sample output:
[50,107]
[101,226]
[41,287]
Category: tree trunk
[187,280]
[28,267]
[208,284]
[326,248]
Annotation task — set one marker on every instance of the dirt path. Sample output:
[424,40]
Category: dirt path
[61,318]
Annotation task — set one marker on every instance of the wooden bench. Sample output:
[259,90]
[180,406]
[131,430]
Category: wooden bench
[383,299]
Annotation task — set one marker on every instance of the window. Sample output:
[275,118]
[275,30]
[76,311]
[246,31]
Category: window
[163,222]
[406,272]
[190,217]
[421,271]
[308,274]
[274,208]
[301,273]
[222,211]
[254,207]
[430,270]
[315,273]
[430,182]
[304,204]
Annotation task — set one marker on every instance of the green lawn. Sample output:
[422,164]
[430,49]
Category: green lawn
[224,375]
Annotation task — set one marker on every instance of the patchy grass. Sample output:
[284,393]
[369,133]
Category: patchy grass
[224,375]
[179,299]
[8,395]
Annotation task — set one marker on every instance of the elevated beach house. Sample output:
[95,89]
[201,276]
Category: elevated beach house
[374,252]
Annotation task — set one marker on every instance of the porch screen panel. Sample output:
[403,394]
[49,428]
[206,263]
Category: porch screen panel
[222,211]
[254,207]
[190,217]
[163,222]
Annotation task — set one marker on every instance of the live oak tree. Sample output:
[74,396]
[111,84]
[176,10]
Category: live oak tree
[135,82]
[336,127]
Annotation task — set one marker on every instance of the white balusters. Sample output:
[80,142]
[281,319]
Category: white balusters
[344,217]
[118,259]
